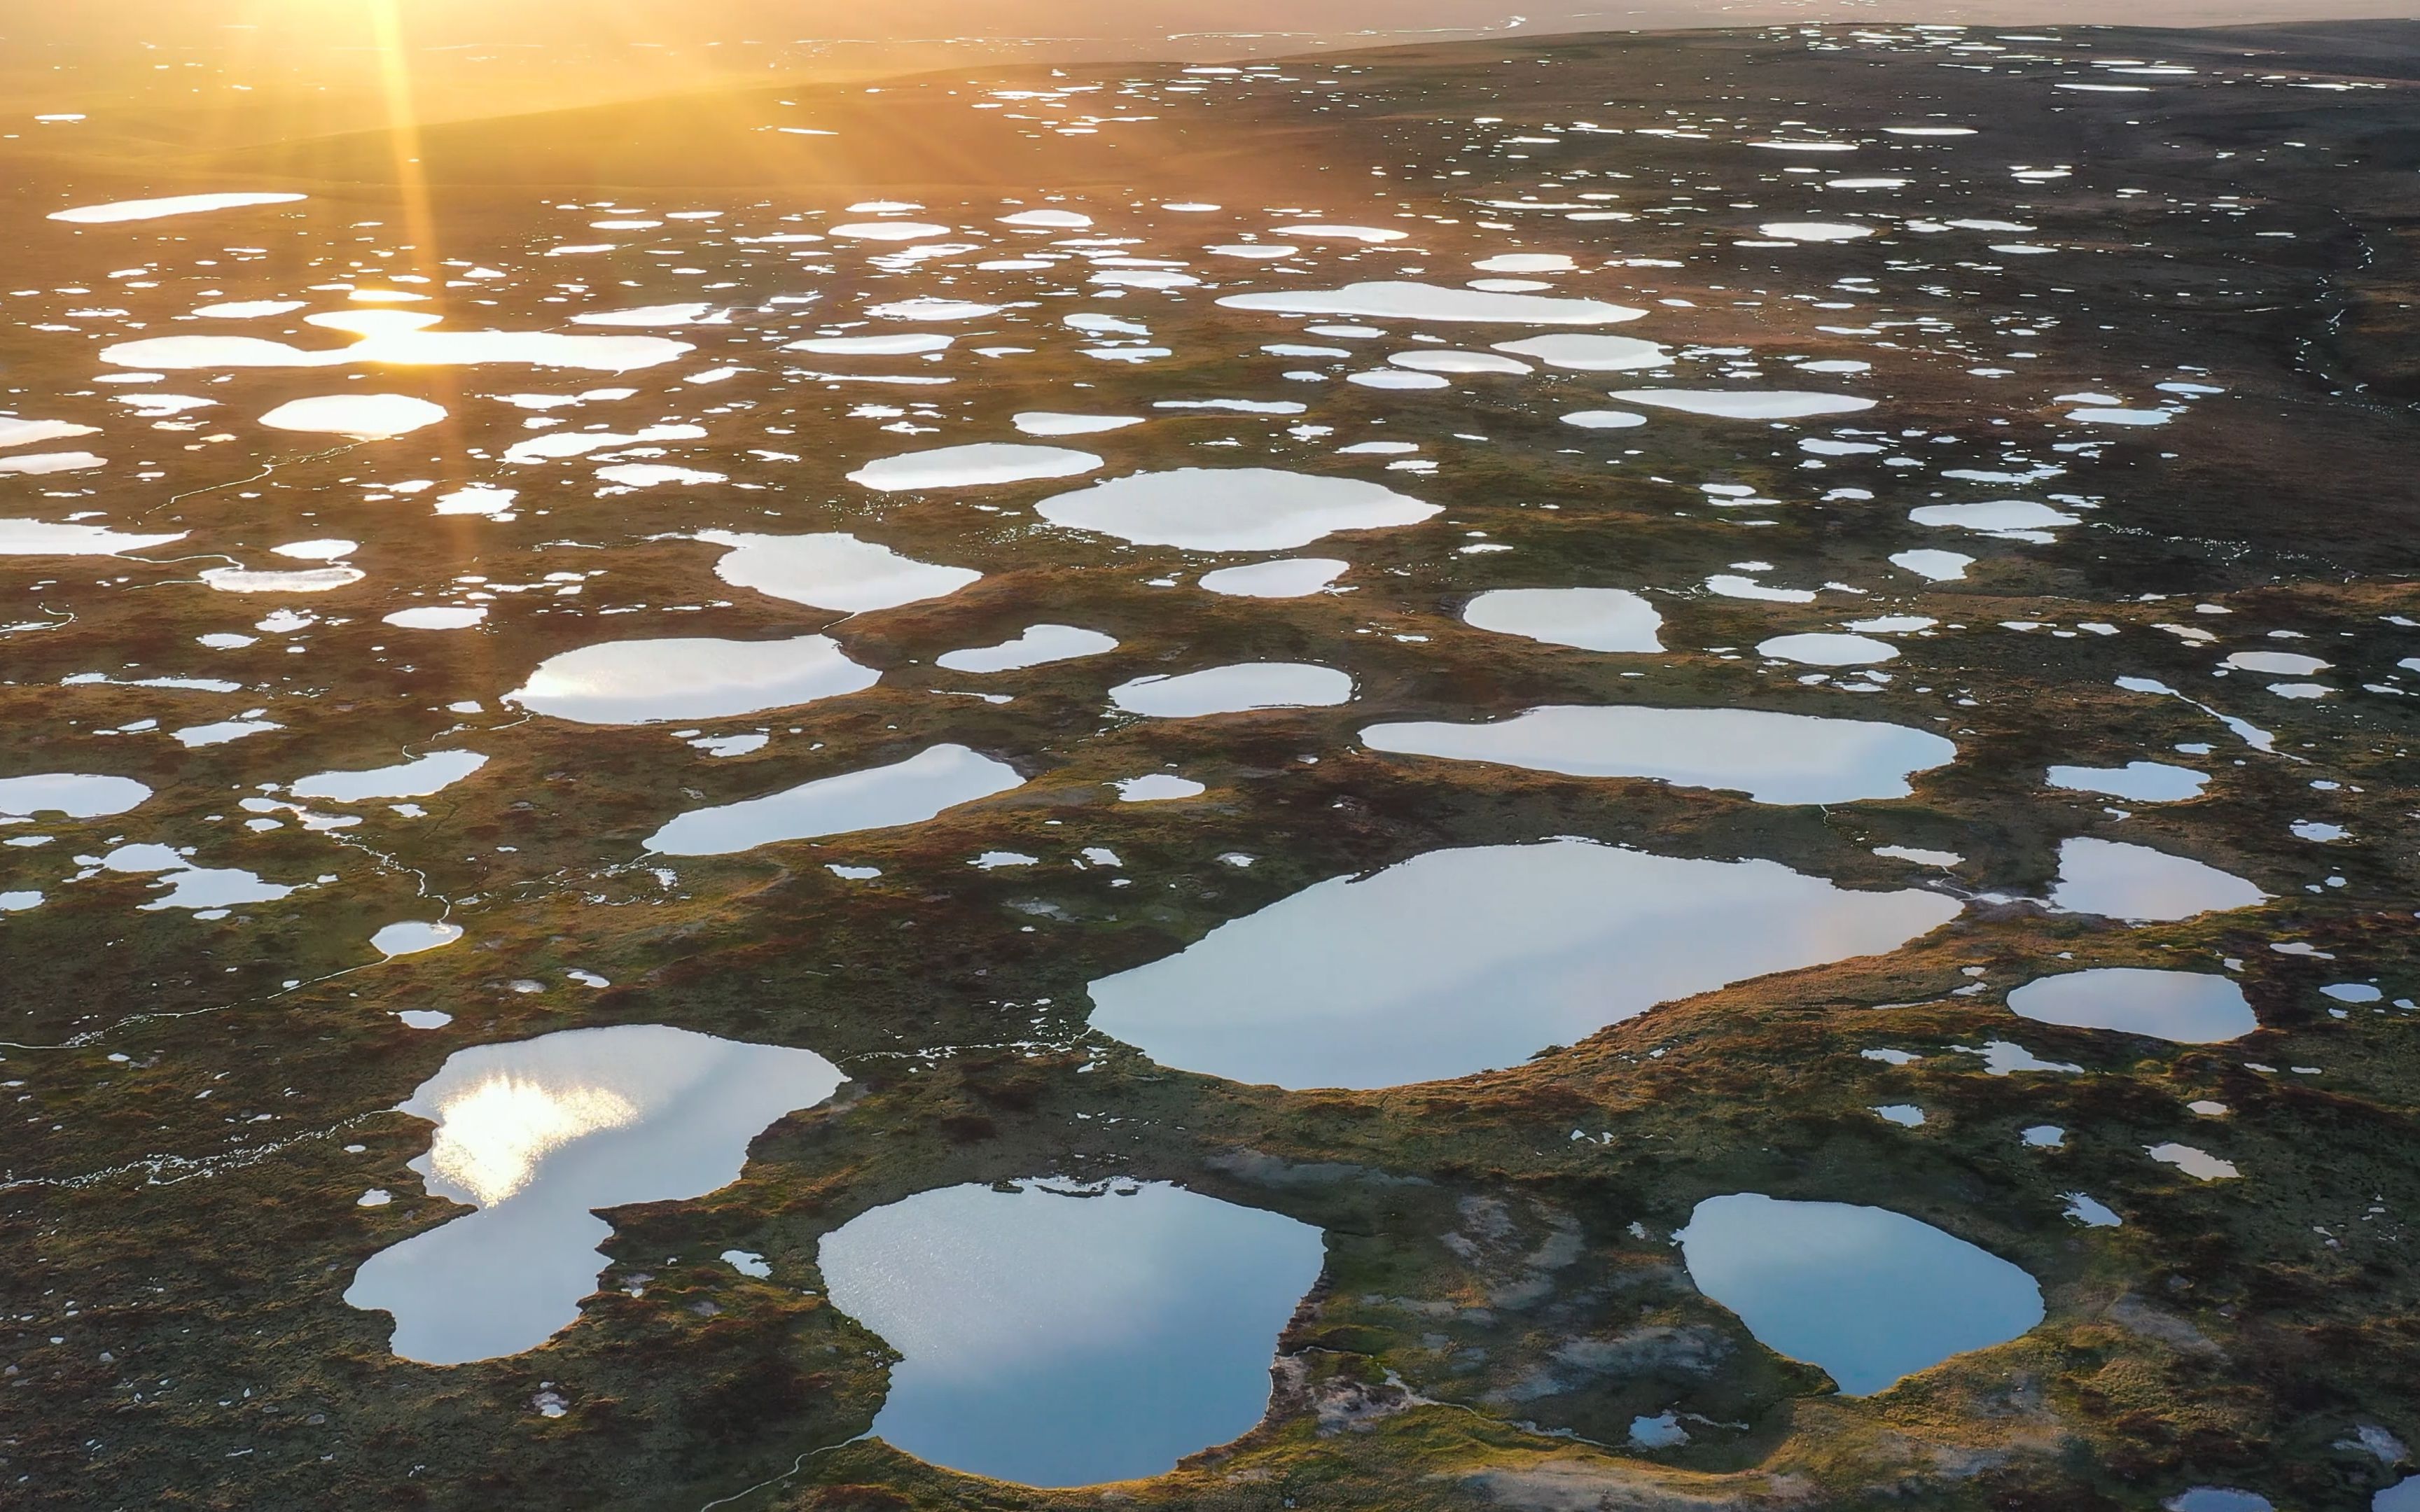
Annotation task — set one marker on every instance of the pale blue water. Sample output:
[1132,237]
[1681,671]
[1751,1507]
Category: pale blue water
[1059,1337]
[1867,1295]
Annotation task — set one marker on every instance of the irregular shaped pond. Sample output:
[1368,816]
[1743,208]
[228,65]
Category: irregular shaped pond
[412,936]
[1591,619]
[1590,354]
[536,1135]
[1827,650]
[1466,959]
[119,211]
[2140,884]
[1426,301]
[1051,423]
[1867,1295]
[1746,403]
[419,778]
[833,571]
[1035,646]
[1057,1337]
[71,795]
[972,466]
[1231,509]
[1772,758]
[2138,781]
[644,682]
[365,417]
[1250,685]
[879,797]
[399,339]
[2184,1007]
[1286,578]
[2020,517]
[42,538]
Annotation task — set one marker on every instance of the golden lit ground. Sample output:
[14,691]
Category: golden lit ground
[176,1329]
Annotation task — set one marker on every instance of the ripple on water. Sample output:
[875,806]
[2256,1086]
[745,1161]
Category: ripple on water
[1059,1336]
[1772,758]
[645,682]
[1867,1295]
[1466,959]
[537,1134]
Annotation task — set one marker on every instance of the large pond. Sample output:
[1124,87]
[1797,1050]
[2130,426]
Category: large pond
[538,1133]
[1462,961]
[1064,1336]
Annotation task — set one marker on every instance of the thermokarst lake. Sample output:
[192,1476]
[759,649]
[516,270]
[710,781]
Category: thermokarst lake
[1392,757]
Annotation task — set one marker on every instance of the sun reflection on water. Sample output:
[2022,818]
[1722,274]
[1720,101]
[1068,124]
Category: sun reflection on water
[490,1137]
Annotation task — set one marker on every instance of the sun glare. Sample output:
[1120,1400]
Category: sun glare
[492,1138]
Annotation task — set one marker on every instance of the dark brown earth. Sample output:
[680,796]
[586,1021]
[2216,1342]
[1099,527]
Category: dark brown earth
[171,1321]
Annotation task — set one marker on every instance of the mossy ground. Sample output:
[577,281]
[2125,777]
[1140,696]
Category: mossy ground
[1501,1298]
